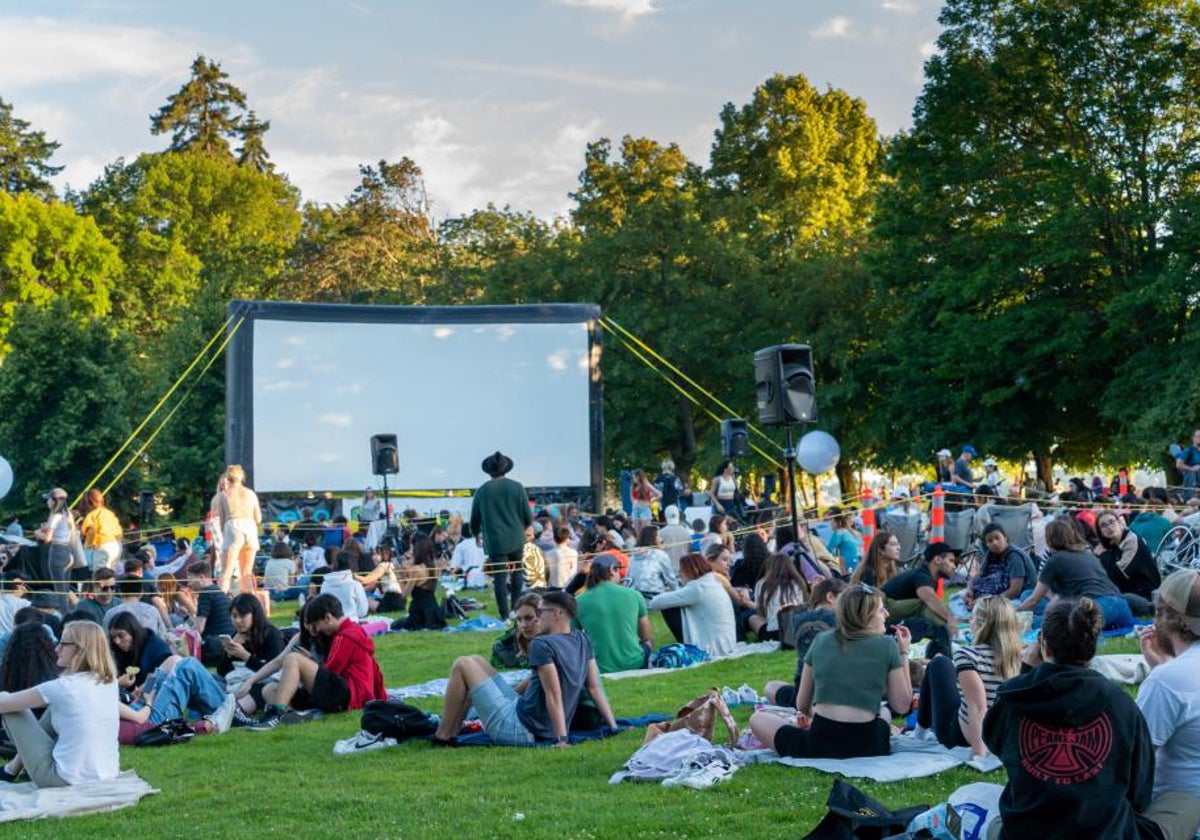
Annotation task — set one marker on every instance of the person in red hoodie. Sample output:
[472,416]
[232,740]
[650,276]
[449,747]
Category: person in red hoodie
[347,679]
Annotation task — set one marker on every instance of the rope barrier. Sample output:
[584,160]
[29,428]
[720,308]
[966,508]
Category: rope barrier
[157,406]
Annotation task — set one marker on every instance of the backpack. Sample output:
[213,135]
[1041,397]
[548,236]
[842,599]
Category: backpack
[396,719]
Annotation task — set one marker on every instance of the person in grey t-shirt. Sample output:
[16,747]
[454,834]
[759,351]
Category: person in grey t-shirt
[539,708]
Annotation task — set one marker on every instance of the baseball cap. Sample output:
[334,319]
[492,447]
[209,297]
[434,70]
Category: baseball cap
[989,462]
[944,453]
[971,450]
[937,549]
[55,493]
[604,562]
[1181,592]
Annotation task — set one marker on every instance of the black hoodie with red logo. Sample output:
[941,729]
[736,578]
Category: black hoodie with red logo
[1078,754]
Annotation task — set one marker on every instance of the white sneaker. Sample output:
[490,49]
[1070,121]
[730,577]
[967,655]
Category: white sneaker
[222,718]
[748,695]
[363,742]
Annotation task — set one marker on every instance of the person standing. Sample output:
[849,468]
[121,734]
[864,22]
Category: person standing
[1188,464]
[56,534]
[101,532]
[240,517]
[500,513]
[371,514]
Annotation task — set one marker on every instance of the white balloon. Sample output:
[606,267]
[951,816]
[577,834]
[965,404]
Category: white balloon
[818,452]
[6,478]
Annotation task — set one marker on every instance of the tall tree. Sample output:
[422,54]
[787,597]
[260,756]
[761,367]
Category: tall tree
[25,156]
[204,114]
[1034,192]
[380,246]
[252,152]
[50,253]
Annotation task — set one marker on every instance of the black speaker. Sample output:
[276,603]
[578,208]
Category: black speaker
[385,455]
[784,386]
[735,438]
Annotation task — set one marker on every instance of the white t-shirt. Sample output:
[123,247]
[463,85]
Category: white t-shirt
[278,572]
[312,558]
[468,555]
[84,712]
[9,605]
[1170,702]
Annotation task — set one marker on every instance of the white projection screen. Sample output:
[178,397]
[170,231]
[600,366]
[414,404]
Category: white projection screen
[309,384]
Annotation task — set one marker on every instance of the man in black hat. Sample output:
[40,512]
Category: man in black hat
[500,514]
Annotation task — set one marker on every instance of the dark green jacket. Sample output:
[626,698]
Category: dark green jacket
[500,513]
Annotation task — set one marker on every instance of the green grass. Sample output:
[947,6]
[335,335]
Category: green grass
[287,783]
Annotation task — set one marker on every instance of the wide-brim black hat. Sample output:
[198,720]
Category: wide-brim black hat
[497,464]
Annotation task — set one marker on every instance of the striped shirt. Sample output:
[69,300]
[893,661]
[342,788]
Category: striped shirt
[977,658]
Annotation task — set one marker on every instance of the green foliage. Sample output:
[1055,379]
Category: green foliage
[25,156]
[378,247]
[49,253]
[1029,204]
[67,386]
[252,152]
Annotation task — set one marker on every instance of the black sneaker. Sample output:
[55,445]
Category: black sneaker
[267,722]
[242,719]
[10,778]
[292,717]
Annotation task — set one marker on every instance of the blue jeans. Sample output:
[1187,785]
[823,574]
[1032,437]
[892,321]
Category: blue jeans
[1116,611]
[188,686]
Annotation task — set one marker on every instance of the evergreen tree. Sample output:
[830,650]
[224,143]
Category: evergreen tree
[24,156]
[252,152]
[205,113]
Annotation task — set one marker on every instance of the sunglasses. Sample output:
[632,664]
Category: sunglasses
[865,588]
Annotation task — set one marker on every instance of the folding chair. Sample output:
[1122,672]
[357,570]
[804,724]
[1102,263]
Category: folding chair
[907,528]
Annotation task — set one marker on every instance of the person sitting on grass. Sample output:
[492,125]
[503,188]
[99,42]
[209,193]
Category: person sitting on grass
[846,672]
[914,592]
[819,617]
[341,584]
[511,650]
[212,612]
[137,651]
[956,694]
[707,619]
[615,619]
[780,586]
[1006,570]
[75,740]
[1078,753]
[256,641]
[879,564]
[179,685]
[420,586]
[348,678]
[1073,571]
[539,709]
[29,659]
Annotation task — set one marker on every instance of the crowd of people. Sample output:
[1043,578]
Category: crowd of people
[188,636]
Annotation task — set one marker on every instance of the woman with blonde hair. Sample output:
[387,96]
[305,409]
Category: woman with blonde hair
[846,671]
[241,517]
[101,531]
[955,695]
[76,738]
[643,494]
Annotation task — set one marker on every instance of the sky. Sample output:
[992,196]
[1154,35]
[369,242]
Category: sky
[495,100]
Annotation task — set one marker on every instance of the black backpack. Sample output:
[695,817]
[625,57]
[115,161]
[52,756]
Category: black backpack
[175,731]
[453,608]
[396,719]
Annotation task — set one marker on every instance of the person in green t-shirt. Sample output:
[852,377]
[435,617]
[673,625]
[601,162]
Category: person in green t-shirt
[615,620]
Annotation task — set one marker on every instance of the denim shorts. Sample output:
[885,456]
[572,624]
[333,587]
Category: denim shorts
[496,703]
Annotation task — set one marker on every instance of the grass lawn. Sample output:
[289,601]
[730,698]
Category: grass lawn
[287,782]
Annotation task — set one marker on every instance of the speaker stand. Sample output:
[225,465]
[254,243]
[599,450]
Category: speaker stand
[789,454]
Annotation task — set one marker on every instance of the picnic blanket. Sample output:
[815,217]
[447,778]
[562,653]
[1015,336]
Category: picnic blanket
[911,758]
[437,688]
[742,649]
[481,739]
[1129,668]
[26,801]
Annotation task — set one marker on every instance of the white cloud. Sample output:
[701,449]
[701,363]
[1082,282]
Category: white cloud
[835,29]
[904,7]
[626,11]
[340,421]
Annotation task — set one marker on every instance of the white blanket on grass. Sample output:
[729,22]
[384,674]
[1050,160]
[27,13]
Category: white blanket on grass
[1128,668]
[911,758]
[28,802]
[740,650]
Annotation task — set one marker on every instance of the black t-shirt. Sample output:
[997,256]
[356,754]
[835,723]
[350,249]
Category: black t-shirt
[213,605]
[904,586]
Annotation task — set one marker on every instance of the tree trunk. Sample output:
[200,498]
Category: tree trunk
[847,479]
[1045,469]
